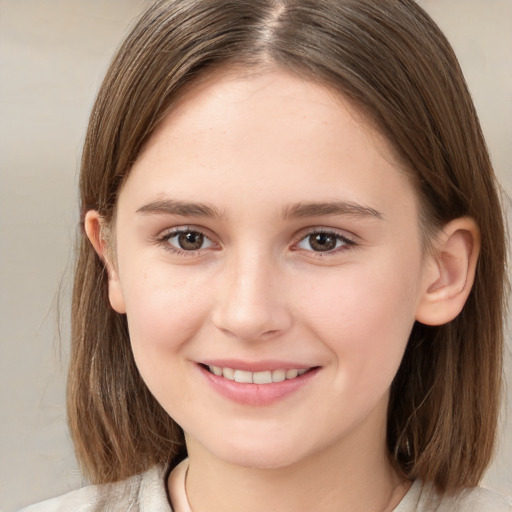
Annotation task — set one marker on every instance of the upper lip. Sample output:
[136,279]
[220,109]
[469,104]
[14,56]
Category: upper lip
[256,366]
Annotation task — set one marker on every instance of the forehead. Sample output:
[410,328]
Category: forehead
[230,96]
[266,134]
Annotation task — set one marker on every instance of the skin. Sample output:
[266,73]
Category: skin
[255,150]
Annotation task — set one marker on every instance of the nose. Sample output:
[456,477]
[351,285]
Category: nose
[251,300]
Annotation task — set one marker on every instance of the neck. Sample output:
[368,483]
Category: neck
[353,476]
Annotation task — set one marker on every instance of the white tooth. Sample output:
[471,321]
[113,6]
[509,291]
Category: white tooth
[217,370]
[278,375]
[242,376]
[302,372]
[228,373]
[291,374]
[262,377]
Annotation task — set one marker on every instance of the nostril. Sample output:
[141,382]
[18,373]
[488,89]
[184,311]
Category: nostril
[270,333]
[250,316]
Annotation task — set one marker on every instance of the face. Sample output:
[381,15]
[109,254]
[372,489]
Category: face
[269,261]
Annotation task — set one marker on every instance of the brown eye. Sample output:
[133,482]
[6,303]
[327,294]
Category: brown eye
[187,240]
[323,242]
[190,241]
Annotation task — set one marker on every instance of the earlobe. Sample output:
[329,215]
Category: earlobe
[93,224]
[450,272]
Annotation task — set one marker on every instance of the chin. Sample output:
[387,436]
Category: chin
[259,456]
[261,461]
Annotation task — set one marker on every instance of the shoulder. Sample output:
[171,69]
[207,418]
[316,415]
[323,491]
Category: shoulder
[483,500]
[141,493]
[424,498]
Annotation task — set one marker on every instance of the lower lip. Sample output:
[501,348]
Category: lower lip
[256,394]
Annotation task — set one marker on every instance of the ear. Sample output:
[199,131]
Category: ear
[94,229]
[450,272]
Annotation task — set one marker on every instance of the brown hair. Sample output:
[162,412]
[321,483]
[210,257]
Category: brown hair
[391,60]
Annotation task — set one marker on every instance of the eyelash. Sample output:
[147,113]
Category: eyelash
[347,243]
[164,240]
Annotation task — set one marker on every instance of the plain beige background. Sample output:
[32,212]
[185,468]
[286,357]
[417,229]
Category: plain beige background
[52,57]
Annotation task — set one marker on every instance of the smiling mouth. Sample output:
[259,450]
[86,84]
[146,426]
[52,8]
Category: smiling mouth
[263,377]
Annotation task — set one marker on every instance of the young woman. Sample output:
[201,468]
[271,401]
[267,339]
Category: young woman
[290,287]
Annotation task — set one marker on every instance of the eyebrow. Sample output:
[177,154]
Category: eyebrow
[298,210]
[182,208]
[313,209]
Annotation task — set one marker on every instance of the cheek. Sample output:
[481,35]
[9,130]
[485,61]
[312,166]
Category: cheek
[365,316]
[164,310]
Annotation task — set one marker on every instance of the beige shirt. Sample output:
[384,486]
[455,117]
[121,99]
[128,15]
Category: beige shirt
[147,493]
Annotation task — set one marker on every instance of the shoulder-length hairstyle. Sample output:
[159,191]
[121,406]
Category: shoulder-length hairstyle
[393,63]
